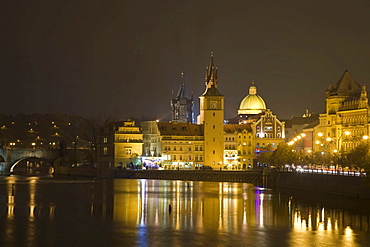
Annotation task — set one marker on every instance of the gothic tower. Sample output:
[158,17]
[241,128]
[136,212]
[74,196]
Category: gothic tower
[182,106]
[212,118]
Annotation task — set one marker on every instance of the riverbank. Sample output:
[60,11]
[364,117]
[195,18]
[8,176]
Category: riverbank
[349,186]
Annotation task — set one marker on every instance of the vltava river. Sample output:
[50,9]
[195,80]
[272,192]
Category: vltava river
[82,212]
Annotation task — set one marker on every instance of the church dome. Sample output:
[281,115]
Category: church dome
[252,103]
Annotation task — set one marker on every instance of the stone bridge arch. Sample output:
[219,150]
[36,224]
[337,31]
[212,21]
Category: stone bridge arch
[32,166]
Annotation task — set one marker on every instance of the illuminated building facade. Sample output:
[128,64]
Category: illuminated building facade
[182,106]
[173,145]
[345,122]
[256,130]
[119,145]
[239,153]
[128,142]
[182,145]
[232,146]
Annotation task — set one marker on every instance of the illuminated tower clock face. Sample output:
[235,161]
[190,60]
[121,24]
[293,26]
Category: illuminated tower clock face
[213,104]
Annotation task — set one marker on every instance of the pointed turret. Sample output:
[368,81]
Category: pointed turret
[181,93]
[330,87]
[182,106]
[211,79]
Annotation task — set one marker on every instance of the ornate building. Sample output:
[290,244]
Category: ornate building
[255,129]
[182,106]
[346,120]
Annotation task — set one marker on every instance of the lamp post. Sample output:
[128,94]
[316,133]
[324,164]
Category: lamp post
[346,133]
[325,149]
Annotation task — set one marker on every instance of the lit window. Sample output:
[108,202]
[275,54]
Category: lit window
[105,140]
[105,150]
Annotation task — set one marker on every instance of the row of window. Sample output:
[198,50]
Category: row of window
[229,138]
[184,157]
[180,148]
[265,135]
[267,128]
[230,147]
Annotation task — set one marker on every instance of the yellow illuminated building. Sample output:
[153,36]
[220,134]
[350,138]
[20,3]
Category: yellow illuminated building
[128,143]
[255,130]
[212,143]
[345,123]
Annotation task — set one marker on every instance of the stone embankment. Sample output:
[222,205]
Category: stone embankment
[350,186]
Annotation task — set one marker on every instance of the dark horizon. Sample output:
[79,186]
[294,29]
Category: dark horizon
[124,58]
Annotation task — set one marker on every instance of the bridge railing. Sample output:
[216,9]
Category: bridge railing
[331,172]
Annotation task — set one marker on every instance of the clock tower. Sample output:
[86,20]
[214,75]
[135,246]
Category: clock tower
[212,118]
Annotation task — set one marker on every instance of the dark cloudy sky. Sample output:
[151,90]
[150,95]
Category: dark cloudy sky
[124,58]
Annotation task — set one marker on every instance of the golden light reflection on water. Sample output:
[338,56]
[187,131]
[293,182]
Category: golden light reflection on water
[150,207]
[330,227]
[226,208]
[193,204]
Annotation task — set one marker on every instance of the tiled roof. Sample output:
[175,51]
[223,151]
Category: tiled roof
[182,129]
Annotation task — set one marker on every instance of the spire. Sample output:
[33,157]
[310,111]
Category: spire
[211,79]
[211,74]
[363,92]
[330,87]
[181,93]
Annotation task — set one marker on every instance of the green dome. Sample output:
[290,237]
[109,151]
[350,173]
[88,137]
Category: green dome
[252,103]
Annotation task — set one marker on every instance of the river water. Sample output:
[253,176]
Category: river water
[129,212]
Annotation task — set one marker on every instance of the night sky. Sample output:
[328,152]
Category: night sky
[123,58]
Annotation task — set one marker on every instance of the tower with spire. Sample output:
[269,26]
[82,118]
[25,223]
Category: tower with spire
[212,118]
[182,106]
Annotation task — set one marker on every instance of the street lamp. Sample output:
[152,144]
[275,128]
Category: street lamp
[347,133]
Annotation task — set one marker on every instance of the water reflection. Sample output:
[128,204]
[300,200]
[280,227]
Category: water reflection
[61,212]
